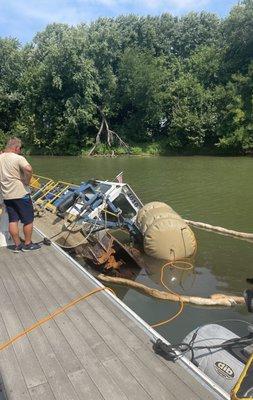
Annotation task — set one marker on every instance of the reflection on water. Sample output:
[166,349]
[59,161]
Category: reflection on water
[214,190]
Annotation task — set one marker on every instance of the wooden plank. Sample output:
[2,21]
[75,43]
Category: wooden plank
[100,376]
[84,385]
[50,286]
[66,288]
[131,340]
[60,346]
[144,339]
[75,277]
[141,371]
[180,371]
[116,355]
[134,342]
[14,383]
[138,390]
[2,389]
[62,388]
[146,354]
[193,385]
[175,367]
[126,380]
[42,392]
[128,357]
[31,369]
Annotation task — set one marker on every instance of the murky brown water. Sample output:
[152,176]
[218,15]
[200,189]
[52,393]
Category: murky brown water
[214,190]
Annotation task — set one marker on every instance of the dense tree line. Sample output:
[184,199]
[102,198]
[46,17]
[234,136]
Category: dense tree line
[164,83]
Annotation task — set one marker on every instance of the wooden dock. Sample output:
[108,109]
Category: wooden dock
[96,350]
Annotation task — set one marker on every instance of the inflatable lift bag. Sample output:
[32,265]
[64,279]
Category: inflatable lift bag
[150,206]
[166,235]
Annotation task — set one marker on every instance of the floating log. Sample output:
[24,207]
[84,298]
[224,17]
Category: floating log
[213,300]
[221,230]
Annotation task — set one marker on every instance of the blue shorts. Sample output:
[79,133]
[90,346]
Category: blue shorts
[20,210]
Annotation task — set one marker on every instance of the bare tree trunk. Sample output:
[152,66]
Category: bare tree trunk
[110,135]
[98,141]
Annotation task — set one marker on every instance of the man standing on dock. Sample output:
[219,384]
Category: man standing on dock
[15,175]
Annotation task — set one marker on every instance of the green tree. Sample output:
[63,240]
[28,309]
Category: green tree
[194,30]
[236,113]
[184,81]
[238,35]
[206,64]
[10,95]
[140,80]
[104,51]
[60,84]
[191,119]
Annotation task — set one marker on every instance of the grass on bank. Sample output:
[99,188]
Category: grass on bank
[157,149]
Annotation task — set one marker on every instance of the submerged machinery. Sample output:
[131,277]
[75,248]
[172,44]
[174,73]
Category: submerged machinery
[88,215]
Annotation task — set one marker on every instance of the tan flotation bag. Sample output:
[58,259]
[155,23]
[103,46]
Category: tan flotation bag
[166,235]
[148,207]
[154,214]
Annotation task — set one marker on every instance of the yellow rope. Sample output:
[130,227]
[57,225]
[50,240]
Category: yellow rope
[51,316]
[85,296]
[181,302]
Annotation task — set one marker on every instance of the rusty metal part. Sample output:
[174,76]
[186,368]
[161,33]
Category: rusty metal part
[136,256]
[112,263]
[105,255]
[99,250]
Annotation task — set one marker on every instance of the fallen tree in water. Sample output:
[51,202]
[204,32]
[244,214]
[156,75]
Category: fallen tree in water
[111,135]
[213,300]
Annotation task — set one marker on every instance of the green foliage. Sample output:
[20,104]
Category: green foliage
[10,73]
[190,113]
[60,84]
[236,113]
[205,65]
[164,83]
[3,139]
[140,80]
[238,35]
[103,149]
[136,150]
[194,30]
[239,142]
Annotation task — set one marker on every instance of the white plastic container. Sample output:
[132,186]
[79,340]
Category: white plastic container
[5,238]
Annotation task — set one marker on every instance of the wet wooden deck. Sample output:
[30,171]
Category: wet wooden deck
[96,350]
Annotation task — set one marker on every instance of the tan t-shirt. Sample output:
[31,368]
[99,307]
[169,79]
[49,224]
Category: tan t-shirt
[11,175]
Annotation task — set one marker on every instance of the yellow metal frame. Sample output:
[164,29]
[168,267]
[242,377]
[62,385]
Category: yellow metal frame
[239,382]
[36,180]
[35,183]
[47,188]
[49,204]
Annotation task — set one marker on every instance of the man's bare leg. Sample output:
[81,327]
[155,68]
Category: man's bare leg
[28,232]
[14,232]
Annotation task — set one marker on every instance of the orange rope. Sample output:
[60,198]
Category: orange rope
[79,299]
[50,316]
[181,302]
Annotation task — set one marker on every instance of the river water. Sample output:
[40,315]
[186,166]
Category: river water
[214,190]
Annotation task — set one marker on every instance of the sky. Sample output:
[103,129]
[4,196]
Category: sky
[22,19]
